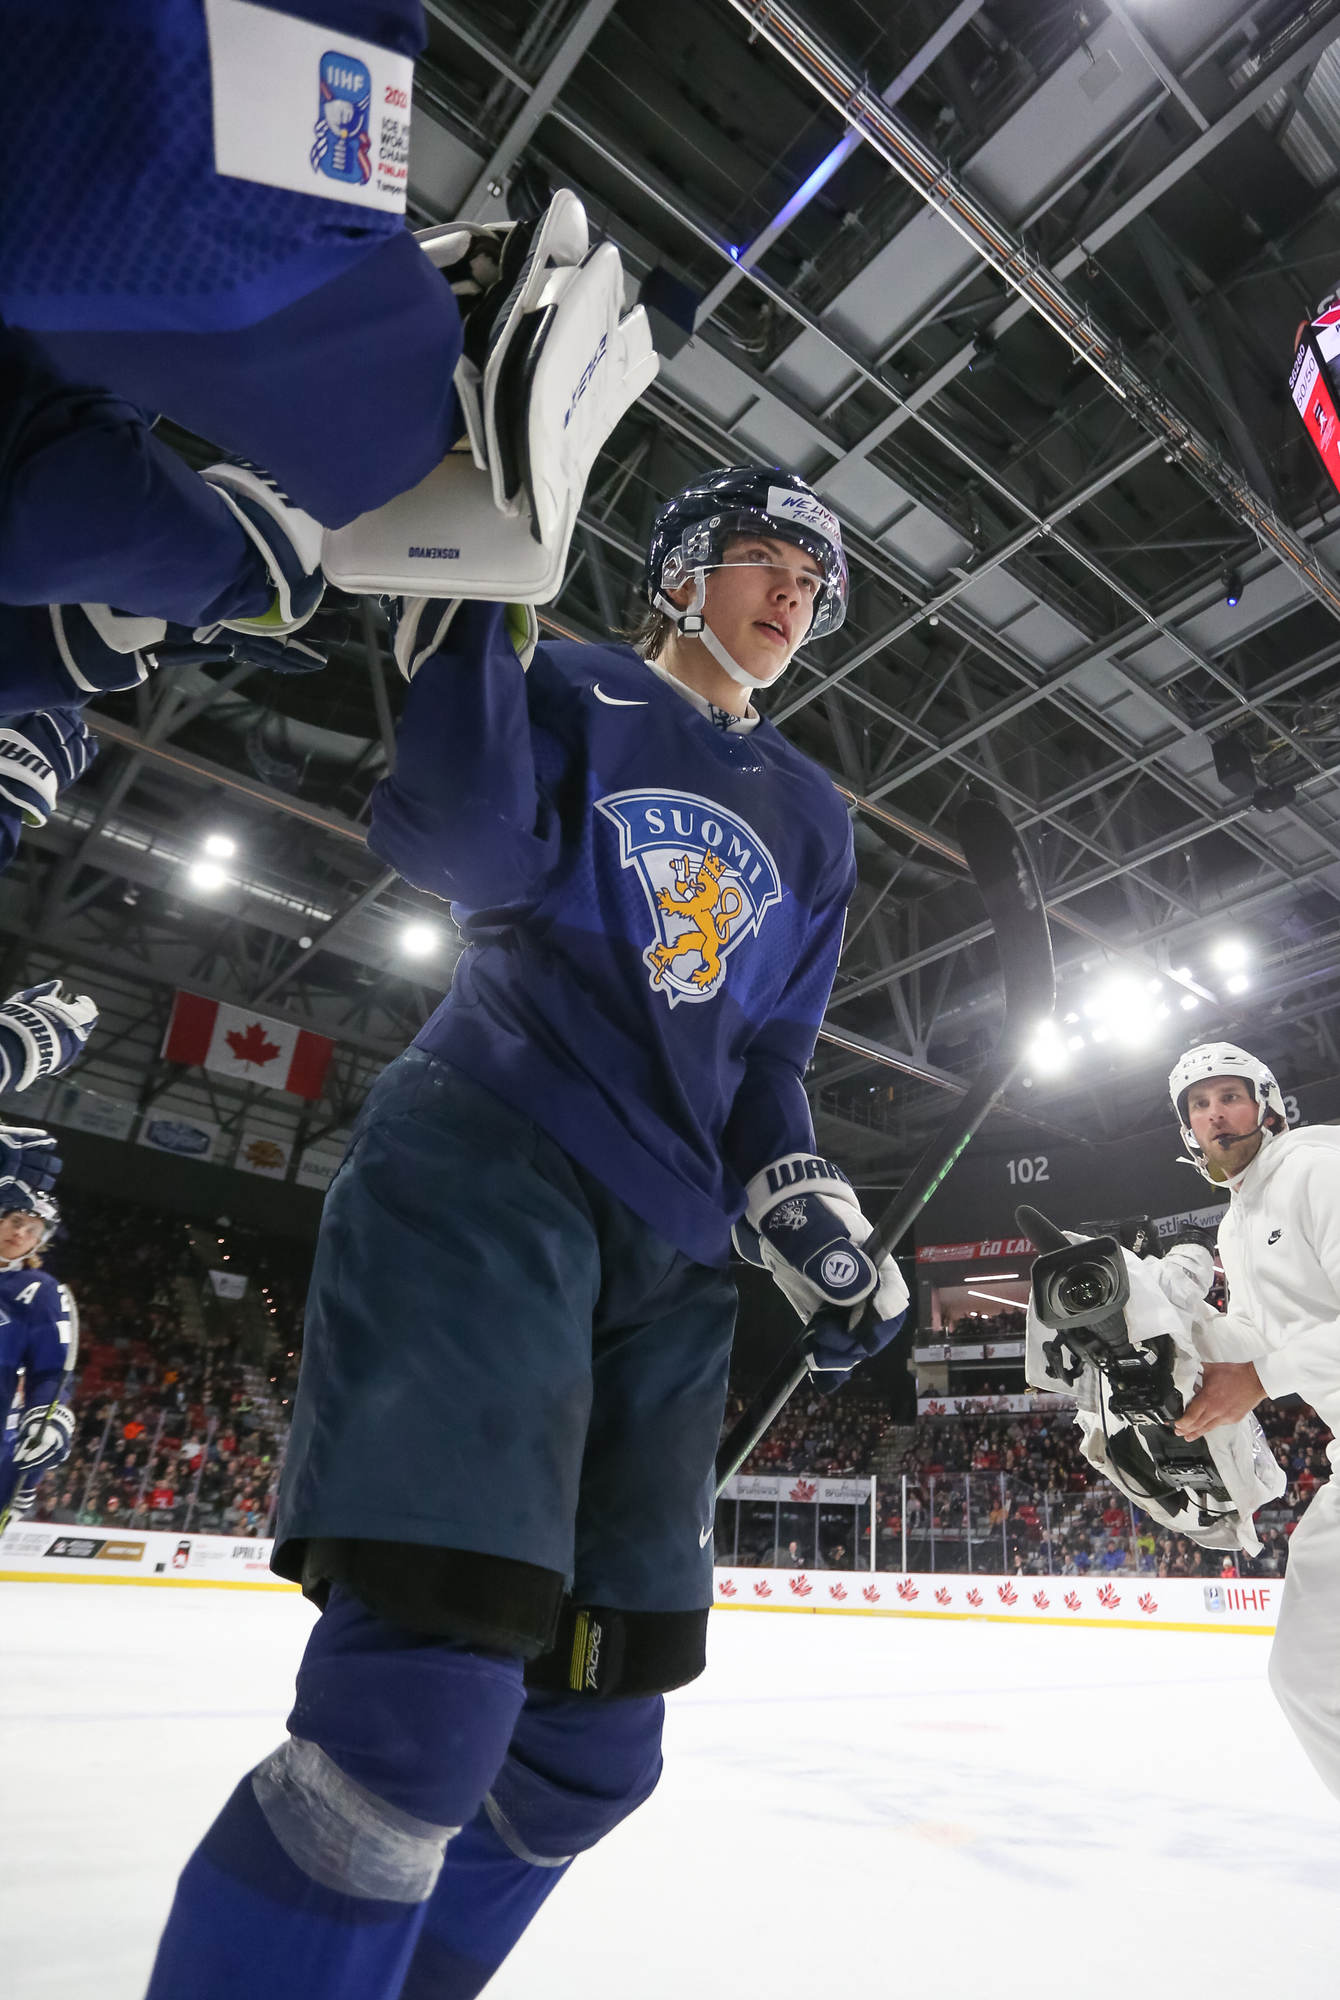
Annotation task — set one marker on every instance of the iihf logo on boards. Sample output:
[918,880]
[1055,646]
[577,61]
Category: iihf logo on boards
[342,146]
[708,879]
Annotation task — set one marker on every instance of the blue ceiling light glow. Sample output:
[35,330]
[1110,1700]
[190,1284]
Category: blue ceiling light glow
[802,197]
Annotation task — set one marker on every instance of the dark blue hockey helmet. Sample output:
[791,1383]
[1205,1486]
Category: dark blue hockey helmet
[18,1198]
[690,532]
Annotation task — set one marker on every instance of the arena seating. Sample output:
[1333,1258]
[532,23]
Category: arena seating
[182,1404]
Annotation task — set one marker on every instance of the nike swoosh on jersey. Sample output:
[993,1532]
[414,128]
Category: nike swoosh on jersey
[612,700]
[704,1537]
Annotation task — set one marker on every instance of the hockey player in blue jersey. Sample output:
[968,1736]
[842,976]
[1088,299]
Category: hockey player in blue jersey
[37,1323]
[219,237]
[499,1484]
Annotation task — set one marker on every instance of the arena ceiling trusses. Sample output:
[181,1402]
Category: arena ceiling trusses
[1015,285]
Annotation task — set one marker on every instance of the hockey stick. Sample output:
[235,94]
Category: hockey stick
[71,1356]
[1000,866]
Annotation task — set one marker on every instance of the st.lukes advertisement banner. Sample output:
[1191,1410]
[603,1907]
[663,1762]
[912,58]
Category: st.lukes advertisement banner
[251,1047]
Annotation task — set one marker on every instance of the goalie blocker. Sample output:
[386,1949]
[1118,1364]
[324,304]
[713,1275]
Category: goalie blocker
[548,371]
[1103,1329]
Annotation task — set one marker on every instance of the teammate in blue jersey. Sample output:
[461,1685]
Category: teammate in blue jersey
[219,237]
[499,1484]
[37,1324]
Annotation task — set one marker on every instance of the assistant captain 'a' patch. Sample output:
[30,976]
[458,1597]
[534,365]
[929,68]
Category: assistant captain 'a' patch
[708,879]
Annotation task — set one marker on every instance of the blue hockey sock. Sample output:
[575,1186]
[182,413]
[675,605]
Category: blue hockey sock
[484,1899]
[574,1769]
[314,1878]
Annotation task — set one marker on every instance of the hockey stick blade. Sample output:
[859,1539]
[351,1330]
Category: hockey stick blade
[1003,873]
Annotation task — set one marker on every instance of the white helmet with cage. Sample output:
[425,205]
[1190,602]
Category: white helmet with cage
[1209,1059]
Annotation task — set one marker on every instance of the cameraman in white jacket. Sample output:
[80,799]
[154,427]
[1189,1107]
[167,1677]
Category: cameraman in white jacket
[1280,1247]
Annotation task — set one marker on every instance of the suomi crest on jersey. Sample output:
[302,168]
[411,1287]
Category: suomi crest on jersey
[708,879]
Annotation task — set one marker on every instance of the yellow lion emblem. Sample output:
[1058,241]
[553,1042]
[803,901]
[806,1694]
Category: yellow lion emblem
[701,901]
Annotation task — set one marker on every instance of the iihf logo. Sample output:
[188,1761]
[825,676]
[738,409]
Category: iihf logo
[708,879]
[342,147]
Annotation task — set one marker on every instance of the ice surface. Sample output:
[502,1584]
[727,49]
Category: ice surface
[851,1807]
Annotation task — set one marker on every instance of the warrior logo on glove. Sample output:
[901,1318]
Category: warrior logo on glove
[708,879]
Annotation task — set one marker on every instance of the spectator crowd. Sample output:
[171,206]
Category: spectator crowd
[182,1400]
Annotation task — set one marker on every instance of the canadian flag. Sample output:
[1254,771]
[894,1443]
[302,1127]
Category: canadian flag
[249,1046]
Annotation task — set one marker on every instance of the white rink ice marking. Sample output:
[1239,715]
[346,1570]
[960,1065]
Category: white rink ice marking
[858,1807]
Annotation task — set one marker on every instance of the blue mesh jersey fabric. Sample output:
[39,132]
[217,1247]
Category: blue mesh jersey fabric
[111,214]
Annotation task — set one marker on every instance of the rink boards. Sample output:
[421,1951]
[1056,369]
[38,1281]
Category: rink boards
[1176,1604]
[32,1553]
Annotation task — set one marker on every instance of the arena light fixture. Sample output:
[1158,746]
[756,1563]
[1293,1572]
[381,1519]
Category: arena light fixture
[220,846]
[1047,1052]
[206,875]
[1238,983]
[999,1298]
[1189,1000]
[420,940]
[1230,954]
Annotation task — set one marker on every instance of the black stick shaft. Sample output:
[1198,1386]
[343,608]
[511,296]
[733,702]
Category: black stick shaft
[925,1177]
[1003,873]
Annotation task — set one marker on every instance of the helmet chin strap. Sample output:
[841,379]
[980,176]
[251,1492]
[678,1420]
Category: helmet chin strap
[690,624]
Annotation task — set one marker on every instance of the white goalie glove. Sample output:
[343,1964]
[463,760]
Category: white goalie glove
[1128,1450]
[551,364]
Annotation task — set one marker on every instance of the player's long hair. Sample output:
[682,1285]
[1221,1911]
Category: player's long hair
[649,635]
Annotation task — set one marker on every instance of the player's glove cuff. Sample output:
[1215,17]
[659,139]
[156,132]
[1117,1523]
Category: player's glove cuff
[420,627]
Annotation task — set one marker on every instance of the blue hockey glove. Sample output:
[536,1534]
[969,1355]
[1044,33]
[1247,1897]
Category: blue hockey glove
[804,1226]
[39,756]
[28,1155]
[419,628]
[289,541]
[43,1438]
[42,1032]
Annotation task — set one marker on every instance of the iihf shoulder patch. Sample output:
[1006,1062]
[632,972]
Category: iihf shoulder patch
[708,879]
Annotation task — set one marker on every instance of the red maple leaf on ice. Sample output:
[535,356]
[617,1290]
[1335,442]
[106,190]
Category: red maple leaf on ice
[251,1045]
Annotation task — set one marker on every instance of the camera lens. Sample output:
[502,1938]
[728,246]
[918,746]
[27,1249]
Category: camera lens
[1084,1289]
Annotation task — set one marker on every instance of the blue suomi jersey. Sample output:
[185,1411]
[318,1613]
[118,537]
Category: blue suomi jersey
[120,222]
[34,1338]
[652,909]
